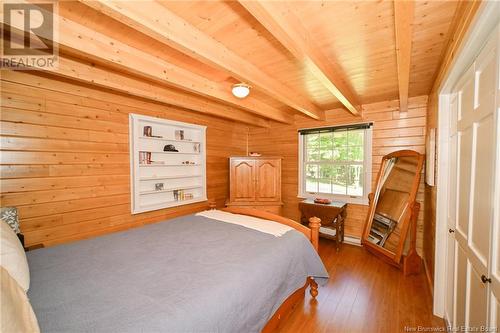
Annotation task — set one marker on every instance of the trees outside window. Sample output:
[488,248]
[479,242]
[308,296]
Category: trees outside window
[334,162]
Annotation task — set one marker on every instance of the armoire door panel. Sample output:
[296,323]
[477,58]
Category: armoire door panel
[242,180]
[268,180]
[256,183]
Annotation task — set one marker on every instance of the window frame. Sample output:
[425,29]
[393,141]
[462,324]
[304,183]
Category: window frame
[367,170]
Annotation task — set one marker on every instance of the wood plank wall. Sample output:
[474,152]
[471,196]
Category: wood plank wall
[393,130]
[65,157]
[465,16]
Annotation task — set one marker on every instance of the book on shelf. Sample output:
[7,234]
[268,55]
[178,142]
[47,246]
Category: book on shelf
[145,157]
[148,133]
[180,195]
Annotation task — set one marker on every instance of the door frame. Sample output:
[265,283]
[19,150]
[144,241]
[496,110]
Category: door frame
[482,26]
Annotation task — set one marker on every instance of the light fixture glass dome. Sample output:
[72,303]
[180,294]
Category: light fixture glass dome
[241,90]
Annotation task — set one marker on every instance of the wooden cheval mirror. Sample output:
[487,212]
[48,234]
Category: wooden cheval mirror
[393,211]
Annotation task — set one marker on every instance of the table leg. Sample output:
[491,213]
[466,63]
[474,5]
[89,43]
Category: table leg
[337,233]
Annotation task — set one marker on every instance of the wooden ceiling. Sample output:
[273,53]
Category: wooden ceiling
[300,57]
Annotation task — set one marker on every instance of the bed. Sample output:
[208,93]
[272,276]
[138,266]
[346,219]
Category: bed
[190,274]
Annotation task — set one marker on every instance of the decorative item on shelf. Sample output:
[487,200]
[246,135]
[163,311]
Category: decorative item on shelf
[323,201]
[145,157]
[188,196]
[148,132]
[159,186]
[170,148]
[196,147]
[188,163]
[254,154]
[179,134]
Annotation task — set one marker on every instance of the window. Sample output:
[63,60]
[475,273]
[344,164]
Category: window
[335,162]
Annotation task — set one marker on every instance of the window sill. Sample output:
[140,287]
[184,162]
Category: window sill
[342,198]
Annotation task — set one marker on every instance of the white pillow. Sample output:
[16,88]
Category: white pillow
[16,313]
[13,257]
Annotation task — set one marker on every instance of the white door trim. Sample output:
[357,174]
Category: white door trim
[484,23]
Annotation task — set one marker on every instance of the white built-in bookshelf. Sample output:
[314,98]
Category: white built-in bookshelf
[167,163]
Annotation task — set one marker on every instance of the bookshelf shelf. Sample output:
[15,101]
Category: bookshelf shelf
[168,177]
[169,190]
[172,203]
[167,140]
[172,152]
[160,179]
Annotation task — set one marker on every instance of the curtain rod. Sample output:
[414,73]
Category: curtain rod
[334,128]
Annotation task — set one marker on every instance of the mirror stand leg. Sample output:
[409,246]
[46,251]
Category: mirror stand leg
[412,262]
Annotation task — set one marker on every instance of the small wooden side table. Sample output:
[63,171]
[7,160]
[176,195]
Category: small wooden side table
[332,217]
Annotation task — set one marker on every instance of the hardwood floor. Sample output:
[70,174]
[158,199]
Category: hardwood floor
[363,295]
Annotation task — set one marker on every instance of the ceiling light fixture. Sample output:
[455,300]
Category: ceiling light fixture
[241,90]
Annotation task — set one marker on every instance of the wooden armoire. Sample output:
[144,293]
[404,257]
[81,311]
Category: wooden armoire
[255,182]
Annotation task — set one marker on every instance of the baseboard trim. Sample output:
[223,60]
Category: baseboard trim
[352,240]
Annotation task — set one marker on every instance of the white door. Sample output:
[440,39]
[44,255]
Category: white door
[494,295]
[474,146]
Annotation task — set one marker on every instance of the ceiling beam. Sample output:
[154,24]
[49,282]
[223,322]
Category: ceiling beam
[78,40]
[404,12]
[285,26]
[156,21]
[96,76]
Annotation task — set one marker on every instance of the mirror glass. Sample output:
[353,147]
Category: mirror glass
[392,201]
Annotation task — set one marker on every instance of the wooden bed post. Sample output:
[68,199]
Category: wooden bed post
[311,233]
[212,204]
[314,225]
[314,287]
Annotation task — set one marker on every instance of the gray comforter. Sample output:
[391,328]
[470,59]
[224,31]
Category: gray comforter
[190,274]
